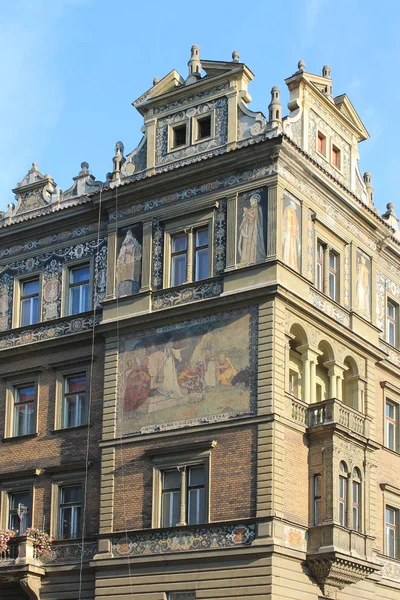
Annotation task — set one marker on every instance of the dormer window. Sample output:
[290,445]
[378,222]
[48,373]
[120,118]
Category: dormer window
[321,143]
[179,135]
[335,156]
[204,127]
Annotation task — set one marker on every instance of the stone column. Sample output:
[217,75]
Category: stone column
[151,130]
[182,518]
[111,265]
[189,265]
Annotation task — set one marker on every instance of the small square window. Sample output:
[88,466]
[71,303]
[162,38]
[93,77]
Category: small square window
[179,135]
[204,127]
[336,157]
[321,143]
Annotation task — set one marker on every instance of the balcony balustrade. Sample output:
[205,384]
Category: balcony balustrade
[328,412]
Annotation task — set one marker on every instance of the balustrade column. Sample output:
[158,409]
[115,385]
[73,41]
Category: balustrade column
[332,383]
[182,517]
[189,269]
[313,384]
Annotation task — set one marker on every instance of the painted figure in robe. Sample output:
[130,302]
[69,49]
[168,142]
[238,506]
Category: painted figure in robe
[129,266]
[291,231]
[251,245]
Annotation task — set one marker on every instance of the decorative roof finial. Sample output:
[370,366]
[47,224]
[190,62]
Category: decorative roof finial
[235,56]
[194,65]
[326,71]
[370,190]
[118,160]
[275,108]
[301,65]
[156,80]
[84,167]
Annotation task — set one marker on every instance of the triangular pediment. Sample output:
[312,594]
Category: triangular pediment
[344,105]
[168,83]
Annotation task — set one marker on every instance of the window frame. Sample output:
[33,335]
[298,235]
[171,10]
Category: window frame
[391,396]
[195,127]
[62,374]
[343,477]
[337,153]
[171,133]
[11,386]
[17,297]
[190,595]
[356,507]
[320,266]
[394,422]
[190,224]
[391,500]
[59,481]
[66,278]
[394,322]
[168,459]
[15,483]
[317,499]
[335,272]
[321,136]
[64,505]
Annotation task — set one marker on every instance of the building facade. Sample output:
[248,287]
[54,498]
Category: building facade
[199,374]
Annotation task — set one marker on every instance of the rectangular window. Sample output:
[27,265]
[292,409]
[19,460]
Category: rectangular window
[342,500]
[336,157]
[201,266]
[204,127]
[79,289]
[70,511]
[178,259]
[181,596]
[391,322]
[193,245]
[321,143]
[391,425]
[74,407]
[20,511]
[317,499]
[294,383]
[320,267]
[333,275]
[179,135]
[183,485]
[391,532]
[29,302]
[24,413]
[356,505]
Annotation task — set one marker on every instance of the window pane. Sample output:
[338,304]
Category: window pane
[332,286]
[70,521]
[170,509]
[75,300]
[29,311]
[171,480]
[202,264]
[196,476]
[390,411]
[179,243]
[24,419]
[341,514]
[390,515]
[26,394]
[355,519]
[391,310]
[76,384]
[202,237]
[71,494]
[332,261]
[80,274]
[178,270]
[30,288]
[196,506]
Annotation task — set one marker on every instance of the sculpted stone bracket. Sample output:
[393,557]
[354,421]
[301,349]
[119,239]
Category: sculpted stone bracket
[333,572]
[31,585]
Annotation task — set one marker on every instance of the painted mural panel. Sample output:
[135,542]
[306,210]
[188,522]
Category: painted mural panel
[363,284]
[129,260]
[251,226]
[291,231]
[180,373]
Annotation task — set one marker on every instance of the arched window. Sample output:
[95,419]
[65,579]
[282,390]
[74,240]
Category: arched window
[356,501]
[295,379]
[350,384]
[323,391]
[343,494]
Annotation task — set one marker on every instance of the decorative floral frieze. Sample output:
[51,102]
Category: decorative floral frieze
[329,308]
[158,254]
[71,552]
[197,190]
[186,539]
[310,246]
[220,238]
[220,109]
[189,99]
[200,291]
[392,355]
[50,240]
[48,332]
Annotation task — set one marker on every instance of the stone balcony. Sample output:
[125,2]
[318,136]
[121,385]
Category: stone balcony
[327,413]
[20,565]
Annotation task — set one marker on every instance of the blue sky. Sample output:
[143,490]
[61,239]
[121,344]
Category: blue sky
[71,68]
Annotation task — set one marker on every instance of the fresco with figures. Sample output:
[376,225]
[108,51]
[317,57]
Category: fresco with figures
[187,371]
[251,226]
[291,232]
